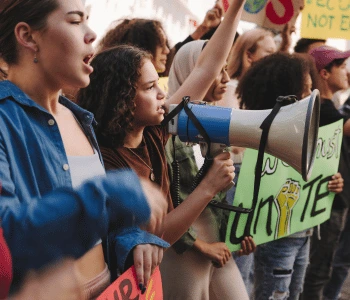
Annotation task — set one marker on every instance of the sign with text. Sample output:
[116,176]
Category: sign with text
[126,287]
[286,203]
[270,13]
[322,19]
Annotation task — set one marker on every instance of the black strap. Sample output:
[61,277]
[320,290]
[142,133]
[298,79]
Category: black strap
[199,127]
[265,126]
[175,111]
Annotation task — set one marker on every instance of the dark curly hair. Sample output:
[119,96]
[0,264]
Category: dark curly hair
[278,74]
[143,33]
[111,92]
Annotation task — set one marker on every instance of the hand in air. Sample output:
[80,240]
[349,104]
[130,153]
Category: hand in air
[213,16]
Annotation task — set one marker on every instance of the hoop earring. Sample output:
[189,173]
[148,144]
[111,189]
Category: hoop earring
[35,60]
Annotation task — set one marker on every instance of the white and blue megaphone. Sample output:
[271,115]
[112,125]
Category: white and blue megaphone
[292,135]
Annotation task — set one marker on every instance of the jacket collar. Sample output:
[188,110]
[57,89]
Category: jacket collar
[8,89]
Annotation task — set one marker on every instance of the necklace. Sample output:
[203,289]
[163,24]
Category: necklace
[151,176]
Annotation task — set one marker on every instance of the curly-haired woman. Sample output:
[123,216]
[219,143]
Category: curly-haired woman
[129,106]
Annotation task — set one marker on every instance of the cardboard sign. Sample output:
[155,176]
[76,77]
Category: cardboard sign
[286,203]
[322,19]
[163,83]
[272,14]
[126,287]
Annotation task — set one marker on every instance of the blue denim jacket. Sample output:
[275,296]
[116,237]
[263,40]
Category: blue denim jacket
[43,218]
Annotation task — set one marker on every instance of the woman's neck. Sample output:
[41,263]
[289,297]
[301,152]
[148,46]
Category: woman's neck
[35,88]
[134,138]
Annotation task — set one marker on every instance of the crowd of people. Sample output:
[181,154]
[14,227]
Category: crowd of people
[91,181]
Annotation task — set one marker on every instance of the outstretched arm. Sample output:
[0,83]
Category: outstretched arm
[212,58]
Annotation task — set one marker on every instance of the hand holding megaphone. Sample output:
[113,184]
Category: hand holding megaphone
[220,173]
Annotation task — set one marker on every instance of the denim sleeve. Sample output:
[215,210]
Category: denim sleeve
[65,222]
[126,239]
[185,242]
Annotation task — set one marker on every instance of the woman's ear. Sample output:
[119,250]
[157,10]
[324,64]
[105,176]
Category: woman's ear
[24,36]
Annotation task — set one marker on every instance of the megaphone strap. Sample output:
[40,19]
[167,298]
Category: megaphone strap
[199,127]
[265,126]
[175,111]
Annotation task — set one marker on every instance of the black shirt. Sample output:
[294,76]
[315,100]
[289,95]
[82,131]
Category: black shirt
[329,114]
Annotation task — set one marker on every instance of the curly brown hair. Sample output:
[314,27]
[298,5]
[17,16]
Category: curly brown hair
[143,33]
[111,92]
[275,75]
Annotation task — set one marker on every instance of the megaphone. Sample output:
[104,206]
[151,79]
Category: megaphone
[292,135]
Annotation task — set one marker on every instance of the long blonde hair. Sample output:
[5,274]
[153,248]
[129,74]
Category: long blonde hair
[246,42]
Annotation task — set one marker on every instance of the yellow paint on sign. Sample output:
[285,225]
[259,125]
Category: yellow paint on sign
[322,19]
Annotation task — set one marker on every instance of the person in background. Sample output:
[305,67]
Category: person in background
[331,67]
[204,264]
[56,200]
[150,36]
[280,265]
[251,46]
[305,45]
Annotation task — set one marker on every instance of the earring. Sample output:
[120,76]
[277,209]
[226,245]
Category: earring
[35,60]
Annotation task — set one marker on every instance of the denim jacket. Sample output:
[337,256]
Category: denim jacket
[43,218]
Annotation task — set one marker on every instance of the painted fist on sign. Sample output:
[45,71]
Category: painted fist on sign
[285,201]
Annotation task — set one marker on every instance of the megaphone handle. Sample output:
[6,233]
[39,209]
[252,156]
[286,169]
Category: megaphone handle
[231,184]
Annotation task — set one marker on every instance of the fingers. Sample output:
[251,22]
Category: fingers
[247,246]
[222,256]
[138,263]
[336,184]
[220,174]
[146,258]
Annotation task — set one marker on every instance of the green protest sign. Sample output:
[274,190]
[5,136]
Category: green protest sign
[322,19]
[286,203]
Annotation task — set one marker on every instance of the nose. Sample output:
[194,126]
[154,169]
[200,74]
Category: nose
[161,94]
[90,36]
[166,49]
[225,78]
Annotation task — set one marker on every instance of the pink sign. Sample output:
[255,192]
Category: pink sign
[126,287]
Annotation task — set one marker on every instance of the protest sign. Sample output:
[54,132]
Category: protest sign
[163,83]
[322,19]
[286,204]
[126,287]
[272,14]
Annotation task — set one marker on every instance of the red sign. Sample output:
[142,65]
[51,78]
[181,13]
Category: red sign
[270,13]
[126,287]
[225,4]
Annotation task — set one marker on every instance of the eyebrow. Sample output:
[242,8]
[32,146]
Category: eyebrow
[151,81]
[76,12]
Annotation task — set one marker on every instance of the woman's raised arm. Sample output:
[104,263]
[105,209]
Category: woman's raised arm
[212,57]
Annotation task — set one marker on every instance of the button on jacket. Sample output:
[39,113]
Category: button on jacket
[43,218]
